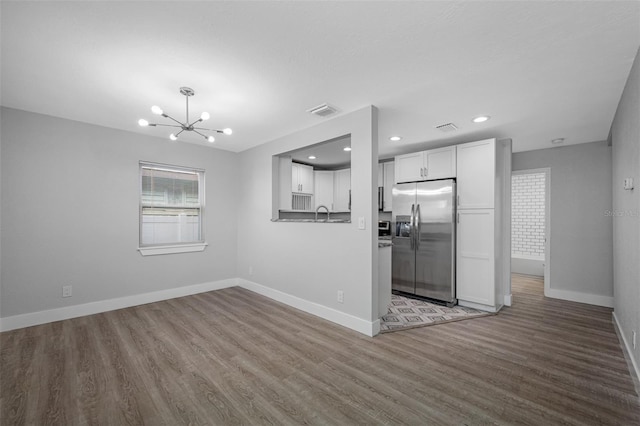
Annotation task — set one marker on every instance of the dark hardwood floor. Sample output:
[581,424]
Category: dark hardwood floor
[234,357]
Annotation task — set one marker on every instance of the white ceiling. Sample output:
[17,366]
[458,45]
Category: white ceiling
[541,70]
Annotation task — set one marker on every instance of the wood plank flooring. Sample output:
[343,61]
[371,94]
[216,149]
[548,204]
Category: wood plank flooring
[234,357]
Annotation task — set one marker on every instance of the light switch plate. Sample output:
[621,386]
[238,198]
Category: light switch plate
[361,223]
[628,183]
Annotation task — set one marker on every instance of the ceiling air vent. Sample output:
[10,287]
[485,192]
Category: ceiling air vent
[323,110]
[447,127]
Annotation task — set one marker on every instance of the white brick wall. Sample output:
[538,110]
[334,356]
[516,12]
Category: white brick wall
[527,215]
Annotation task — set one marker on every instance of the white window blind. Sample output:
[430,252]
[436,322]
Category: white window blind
[171,205]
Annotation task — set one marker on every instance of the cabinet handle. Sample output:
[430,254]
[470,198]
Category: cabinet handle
[458,217]
[458,200]
[425,172]
[421,175]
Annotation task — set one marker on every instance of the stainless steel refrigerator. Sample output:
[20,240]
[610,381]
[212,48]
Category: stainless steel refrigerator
[423,236]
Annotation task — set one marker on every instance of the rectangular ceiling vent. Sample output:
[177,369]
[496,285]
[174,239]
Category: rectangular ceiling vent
[448,127]
[323,110]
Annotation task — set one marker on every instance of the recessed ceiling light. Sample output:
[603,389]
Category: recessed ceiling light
[395,138]
[557,141]
[481,119]
[346,148]
[312,157]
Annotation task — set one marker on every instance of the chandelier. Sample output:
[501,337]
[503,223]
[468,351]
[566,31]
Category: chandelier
[187,126]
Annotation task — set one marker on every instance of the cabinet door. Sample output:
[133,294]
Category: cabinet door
[342,187]
[409,167]
[475,259]
[380,175]
[440,163]
[305,177]
[476,174]
[301,178]
[295,182]
[323,189]
[389,181]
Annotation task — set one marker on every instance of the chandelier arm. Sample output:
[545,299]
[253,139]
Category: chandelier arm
[165,125]
[209,130]
[171,118]
[178,134]
[197,121]
[204,136]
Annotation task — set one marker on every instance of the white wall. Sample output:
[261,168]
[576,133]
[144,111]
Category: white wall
[527,215]
[581,266]
[69,211]
[312,261]
[625,136]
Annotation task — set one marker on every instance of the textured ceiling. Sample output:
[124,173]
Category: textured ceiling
[541,70]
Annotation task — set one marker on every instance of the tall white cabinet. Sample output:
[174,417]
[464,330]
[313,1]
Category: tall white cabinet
[342,190]
[483,268]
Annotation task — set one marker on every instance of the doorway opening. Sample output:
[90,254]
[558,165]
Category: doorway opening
[530,223]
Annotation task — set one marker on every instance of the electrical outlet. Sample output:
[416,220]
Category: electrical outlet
[250,270]
[340,296]
[67,291]
[633,338]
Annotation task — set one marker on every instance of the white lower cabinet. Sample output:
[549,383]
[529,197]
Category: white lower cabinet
[475,261]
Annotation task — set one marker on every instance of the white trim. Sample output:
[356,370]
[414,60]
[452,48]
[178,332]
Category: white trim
[182,248]
[478,306]
[574,296]
[369,328]
[43,317]
[507,299]
[627,349]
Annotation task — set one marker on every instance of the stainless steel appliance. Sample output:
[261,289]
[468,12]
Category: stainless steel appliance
[384,228]
[423,236]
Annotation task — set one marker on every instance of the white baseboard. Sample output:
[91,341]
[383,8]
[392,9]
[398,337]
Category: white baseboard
[626,347]
[574,296]
[478,306]
[43,317]
[507,299]
[369,328]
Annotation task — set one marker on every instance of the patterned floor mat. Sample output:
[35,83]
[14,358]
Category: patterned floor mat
[407,313]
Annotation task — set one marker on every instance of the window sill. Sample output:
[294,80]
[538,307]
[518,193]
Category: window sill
[182,248]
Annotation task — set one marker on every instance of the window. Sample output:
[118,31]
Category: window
[171,209]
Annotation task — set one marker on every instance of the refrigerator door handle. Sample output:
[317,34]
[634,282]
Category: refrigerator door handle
[417,222]
[412,227]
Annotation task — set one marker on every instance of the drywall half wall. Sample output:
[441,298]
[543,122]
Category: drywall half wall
[625,136]
[581,261]
[306,264]
[70,206]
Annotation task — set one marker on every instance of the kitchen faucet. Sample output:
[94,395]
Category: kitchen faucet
[322,207]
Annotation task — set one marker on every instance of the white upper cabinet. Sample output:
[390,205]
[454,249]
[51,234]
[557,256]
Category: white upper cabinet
[342,190]
[380,175]
[409,167]
[389,181]
[426,165]
[323,189]
[301,178]
[476,174]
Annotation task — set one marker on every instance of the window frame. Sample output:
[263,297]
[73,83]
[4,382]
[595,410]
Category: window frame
[177,247]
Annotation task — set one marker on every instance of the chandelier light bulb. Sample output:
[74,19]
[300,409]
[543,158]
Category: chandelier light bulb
[173,137]
[205,116]
[142,122]
[227,131]
[211,139]
[156,110]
